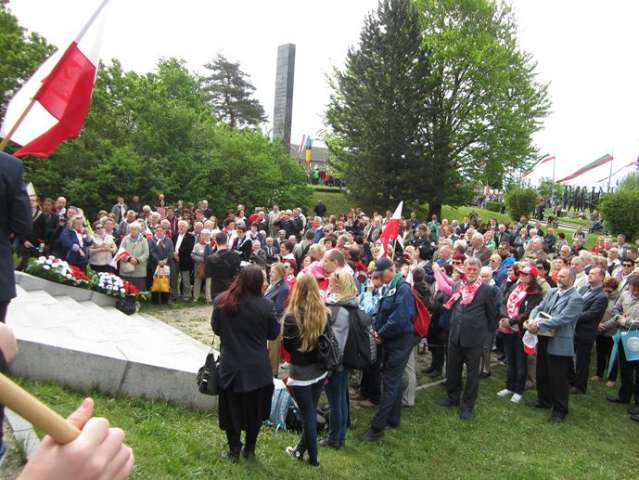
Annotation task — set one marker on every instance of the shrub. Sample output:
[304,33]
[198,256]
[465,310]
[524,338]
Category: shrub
[620,211]
[520,201]
[494,206]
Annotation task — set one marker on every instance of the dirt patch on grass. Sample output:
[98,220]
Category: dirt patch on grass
[194,321]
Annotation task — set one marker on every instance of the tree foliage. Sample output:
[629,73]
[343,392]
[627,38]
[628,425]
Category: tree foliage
[473,110]
[155,133]
[22,53]
[230,94]
[376,105]
[520,201]
[620,209]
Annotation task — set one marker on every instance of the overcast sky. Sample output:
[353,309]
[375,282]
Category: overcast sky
[585,49]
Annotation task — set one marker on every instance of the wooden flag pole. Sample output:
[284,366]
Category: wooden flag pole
[24,114]
[30,408]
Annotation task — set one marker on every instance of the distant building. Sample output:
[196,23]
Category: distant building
[319,158]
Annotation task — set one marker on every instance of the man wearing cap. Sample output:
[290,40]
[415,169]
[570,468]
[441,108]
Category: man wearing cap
[394,331]
[563,306]
[473,319]
[595,304]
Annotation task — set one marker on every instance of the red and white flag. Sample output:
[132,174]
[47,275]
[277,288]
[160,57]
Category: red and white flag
[120,255]
[391,229]
[61,89]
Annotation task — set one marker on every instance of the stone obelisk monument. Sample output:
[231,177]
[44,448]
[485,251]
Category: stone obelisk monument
[284,80]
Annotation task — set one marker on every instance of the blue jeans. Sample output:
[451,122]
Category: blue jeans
[395,354]
[337,393]
[307,399]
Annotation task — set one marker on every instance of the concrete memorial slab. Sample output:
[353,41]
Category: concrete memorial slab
[65,338]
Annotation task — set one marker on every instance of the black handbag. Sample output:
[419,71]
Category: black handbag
[208,377]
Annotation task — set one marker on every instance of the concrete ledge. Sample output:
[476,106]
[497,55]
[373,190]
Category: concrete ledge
[31,282]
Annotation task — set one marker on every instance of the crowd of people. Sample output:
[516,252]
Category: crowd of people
[279,280]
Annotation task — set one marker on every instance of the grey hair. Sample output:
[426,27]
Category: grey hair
[473,261]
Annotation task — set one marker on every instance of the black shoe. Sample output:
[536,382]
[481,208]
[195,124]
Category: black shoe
[248,454]
[612,399]
[576,391]
[466,413]
[557,418]
[634,418]
[394,426]
[447,403]
[537,404]
[483,375]
[294,453]
[372,436]
[325,442]
[233,457]
[434,374]
[634,410]
[315,464]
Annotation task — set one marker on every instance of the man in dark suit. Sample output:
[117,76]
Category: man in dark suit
[15,221]
[595,304]
[473,318]
[554,353]
[223,266]
[184,243]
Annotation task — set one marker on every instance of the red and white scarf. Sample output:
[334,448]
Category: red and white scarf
[466,292]
[515,298]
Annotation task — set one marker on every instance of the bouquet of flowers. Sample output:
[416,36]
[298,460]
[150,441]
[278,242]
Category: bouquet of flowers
[56,270]
[111,284]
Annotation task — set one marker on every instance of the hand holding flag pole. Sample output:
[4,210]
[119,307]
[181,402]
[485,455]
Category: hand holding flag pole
[30,408]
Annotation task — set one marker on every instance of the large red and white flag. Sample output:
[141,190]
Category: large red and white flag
[61,90]
[391,229]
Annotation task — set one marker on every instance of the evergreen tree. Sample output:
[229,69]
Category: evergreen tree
[231,94]
[376,107]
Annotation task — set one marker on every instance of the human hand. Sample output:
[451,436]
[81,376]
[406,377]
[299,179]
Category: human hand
[504,323]
[98,453]
[378,339]
[28,244]
[81,252]
[533,326]
[133,260]
[8,343]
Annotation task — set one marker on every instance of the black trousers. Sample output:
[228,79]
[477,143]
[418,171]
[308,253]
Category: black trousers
[604,349]
[629,377]
[438,345]
[553,379]
[517,363]
[371,385]
[3,364]
[457,357]
[581,367]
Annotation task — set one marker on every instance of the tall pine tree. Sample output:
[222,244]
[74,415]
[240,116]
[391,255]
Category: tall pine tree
[376,107]
[231,94]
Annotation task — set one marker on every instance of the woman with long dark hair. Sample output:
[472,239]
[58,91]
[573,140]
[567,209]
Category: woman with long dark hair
[244,321]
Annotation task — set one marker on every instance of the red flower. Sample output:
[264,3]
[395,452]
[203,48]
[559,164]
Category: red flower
[77,273]
[131,289]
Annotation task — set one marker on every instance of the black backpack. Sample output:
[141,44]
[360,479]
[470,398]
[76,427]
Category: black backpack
[360,351]
[328,355]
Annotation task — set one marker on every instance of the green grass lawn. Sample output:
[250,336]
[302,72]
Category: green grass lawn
[504,440]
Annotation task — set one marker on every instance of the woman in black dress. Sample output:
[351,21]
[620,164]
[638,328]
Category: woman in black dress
[244,321]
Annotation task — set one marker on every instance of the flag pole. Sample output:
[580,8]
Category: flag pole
[30,408]
[16,125]
[610,174]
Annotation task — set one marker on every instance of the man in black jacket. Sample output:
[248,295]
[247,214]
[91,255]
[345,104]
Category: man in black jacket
[222,266]
[183,241]
[473,318]
[15,221]
[595,304]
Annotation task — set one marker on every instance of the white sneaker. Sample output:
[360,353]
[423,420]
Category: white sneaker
[517,398]
[504,393]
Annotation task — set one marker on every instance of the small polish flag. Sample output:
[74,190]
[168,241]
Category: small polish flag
[119,256]
[52,105]
[391,229]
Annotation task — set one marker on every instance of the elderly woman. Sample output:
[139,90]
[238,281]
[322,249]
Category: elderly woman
[137,247]
[277,292]
[75,242]
[198,254]
[102,249]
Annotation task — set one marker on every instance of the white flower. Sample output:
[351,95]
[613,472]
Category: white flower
[46,267]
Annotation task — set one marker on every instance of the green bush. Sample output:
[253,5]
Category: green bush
[520,201]
[620,211]
[494,206]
